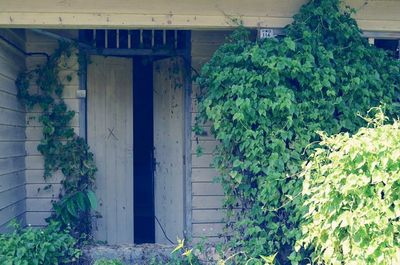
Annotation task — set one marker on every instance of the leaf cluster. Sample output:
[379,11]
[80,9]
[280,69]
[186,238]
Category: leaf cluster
[29,246]
[351,188]
[266,100]
[61,148]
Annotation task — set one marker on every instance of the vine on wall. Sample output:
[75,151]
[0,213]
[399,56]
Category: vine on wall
[266,100]
[61,148]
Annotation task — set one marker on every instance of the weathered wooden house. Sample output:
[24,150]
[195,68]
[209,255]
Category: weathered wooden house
[135,105]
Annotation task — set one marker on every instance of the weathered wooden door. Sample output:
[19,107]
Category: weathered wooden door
[110,136]
[168,143]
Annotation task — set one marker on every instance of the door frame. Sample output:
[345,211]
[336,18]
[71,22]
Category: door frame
[85,52]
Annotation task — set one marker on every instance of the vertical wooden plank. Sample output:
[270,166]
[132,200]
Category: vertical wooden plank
[168,142]
[187,136]
[110,134]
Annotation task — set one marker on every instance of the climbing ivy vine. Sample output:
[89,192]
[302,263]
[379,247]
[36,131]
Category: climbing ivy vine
[41,90]
[266,100]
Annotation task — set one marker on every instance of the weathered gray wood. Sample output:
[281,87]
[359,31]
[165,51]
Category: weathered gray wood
[12,133]
[12,149]
[17,36]
[12,196]
[36,219]
[208,36]
[11,164]
[207,202]
[110,135]
[210,229]
[11,117]
[12,56]
[209,216]
[16,210]
[204,49]
[9,70]
[10,102]
[187,139]
[207,196]
[7,84]
[207,188]
[202,161]
[209,239]
[39,205]
[35,176]
[34,162]
[12,180]
[169,144]
[204,174]
[43,190]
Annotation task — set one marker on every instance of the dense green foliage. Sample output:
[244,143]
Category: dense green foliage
[61,148]
[30,246]
[352,190]
[266,99]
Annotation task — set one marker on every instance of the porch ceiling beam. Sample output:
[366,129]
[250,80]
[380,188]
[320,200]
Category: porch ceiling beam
[135,52]
[372,15]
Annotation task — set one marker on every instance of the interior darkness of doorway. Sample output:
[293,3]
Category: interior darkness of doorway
[144,220]
[392,46]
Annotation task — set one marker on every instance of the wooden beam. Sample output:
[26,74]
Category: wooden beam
[377,15]
[135,52]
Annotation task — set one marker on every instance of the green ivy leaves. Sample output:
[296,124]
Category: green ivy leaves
[61,148]
[267,99]
[34,246]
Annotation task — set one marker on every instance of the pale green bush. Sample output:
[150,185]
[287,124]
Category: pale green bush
[352,190]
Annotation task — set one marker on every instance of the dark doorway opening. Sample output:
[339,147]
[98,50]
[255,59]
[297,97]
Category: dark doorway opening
[144,228]
[392,46]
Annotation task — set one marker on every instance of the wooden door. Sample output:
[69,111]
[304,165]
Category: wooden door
[110,136]
[168,148]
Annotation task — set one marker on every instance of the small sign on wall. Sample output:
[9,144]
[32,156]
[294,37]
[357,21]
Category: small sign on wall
[266,33]
[81,93]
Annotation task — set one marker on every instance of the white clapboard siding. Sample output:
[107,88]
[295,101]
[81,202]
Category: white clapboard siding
[207,195]
[12,132]
[168,148]
[110,135]
[36,193]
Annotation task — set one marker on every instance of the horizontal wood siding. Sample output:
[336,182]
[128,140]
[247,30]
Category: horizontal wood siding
[12,132]
[371,15]
[39,192]
[207,195]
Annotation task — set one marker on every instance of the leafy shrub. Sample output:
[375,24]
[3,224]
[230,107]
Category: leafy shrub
[32,246]
[352,189]
[108,262]
[266,99]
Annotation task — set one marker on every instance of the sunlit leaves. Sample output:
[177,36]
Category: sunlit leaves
[352,188]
